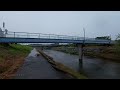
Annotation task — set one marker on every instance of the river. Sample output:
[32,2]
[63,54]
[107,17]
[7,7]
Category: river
[94,68]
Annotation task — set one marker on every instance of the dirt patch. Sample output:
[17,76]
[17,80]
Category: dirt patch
[9,67]
[11,58]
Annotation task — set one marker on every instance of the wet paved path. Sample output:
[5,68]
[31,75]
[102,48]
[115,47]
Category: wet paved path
[36,67]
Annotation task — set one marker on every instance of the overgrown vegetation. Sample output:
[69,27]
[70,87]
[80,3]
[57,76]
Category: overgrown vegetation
[104,38]
[11,58]
[117,45]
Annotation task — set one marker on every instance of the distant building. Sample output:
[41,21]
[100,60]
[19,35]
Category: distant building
[1,33]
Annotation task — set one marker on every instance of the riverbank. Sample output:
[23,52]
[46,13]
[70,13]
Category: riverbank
[62,67]
[107,53]
[93,68]
[104,52]
[11,58]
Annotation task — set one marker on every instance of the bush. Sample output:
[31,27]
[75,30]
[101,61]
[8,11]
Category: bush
[117,45]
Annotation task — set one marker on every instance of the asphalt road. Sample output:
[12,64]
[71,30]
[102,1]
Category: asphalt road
[36,67]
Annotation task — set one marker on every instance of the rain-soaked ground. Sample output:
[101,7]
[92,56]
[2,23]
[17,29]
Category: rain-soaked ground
[36,67]
[94,68]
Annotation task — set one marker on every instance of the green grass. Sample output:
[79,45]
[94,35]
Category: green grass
[22,49]
[11,55]
[13,49]
[117,48]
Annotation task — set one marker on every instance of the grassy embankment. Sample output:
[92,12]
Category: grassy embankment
[62,67]
[11,58]
[108,53]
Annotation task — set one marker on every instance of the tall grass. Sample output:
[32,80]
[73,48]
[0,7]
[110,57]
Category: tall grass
[22,49]
[117,47]
[12,56]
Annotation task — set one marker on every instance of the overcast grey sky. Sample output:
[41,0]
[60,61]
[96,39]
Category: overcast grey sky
[96,23]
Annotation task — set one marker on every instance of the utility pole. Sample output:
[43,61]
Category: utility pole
[4,29]
[110,37]
[84,33]
[3,26]
[80,50]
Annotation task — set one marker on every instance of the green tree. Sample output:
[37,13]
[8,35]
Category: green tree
[104,37]
[118,39]
[117,45]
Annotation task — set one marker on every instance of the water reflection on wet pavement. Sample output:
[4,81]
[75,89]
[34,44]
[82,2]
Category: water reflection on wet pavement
[36,67]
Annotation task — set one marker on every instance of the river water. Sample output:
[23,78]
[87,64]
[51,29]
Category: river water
[94,68]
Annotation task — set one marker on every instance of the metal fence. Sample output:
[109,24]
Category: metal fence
[41,35]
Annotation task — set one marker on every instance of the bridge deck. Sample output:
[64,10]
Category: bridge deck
[24,37]
[47,40]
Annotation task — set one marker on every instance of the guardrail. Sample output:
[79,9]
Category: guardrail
[41,35]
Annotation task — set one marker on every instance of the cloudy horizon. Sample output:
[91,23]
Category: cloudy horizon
[96,23]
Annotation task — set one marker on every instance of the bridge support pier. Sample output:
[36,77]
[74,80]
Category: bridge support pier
[80,51]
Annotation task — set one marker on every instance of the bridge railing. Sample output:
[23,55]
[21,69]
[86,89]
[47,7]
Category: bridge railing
[46,36]
[40,35]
